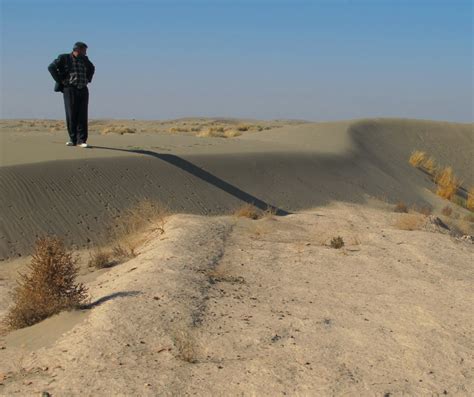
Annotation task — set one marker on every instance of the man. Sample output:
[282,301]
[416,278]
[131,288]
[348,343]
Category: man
[72,72]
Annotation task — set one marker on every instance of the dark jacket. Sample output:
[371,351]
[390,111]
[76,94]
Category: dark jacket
[61,67]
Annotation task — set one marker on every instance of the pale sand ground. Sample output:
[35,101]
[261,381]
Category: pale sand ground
[389,314]
[292,166]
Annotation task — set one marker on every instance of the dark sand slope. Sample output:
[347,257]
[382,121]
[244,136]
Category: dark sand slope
[291,168]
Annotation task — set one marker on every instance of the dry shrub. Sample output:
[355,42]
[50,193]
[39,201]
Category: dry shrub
[218,132]
[243,127]
[410,222]
[401,207]
[430,166]
[337,242]
[417,158]
[50,286]
[178,129]
[231,134]
[216,129]
[448,183]
[447,211]
[58,126]
[470,199]
[424,209]
[248,211]
[209,134]
[100,259]
[118,130]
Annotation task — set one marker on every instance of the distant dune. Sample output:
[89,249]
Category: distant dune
[77,194]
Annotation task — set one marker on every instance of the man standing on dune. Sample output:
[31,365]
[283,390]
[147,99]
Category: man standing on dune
[72,72]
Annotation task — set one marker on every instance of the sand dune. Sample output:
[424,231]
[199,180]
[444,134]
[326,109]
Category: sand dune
[226,306]
[48,188]
[220,305]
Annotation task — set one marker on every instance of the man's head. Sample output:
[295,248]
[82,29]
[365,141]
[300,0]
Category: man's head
[79,49]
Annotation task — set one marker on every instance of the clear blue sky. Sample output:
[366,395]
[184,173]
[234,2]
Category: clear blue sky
[315,60]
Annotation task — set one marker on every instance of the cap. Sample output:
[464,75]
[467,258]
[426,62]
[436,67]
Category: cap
[79,44]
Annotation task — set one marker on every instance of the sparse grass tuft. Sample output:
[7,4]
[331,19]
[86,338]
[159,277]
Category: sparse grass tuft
[122,252]
[410,222]
[118,130]
[430,166]
[100,259]
[50,286]
[469,218]
[231,134]
[269,213]
[186,345]
[337,242]
[145,212]
[447,211]
[133,222]
[401,207]
[417,158]
[248,211]
[447,182]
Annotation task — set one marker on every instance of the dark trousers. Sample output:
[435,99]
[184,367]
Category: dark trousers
[76,102]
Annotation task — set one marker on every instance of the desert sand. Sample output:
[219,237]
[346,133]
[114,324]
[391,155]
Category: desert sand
[220,305]
[225,306]
[75,193]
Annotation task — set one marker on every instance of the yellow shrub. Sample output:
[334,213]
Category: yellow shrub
[417,158]
[447,182]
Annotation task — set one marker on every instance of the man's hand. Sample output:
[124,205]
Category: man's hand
[53,68]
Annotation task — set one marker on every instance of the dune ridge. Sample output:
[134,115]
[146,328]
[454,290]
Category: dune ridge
[291,168]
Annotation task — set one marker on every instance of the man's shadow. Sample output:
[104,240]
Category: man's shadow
[205,176]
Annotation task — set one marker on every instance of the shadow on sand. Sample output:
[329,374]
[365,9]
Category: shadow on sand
[198,172]
[106,298]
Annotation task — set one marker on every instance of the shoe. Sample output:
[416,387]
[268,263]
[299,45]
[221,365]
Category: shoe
[84,145]
[70,143]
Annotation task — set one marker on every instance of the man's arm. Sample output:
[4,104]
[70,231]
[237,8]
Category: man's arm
[54,69]
[90,70]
